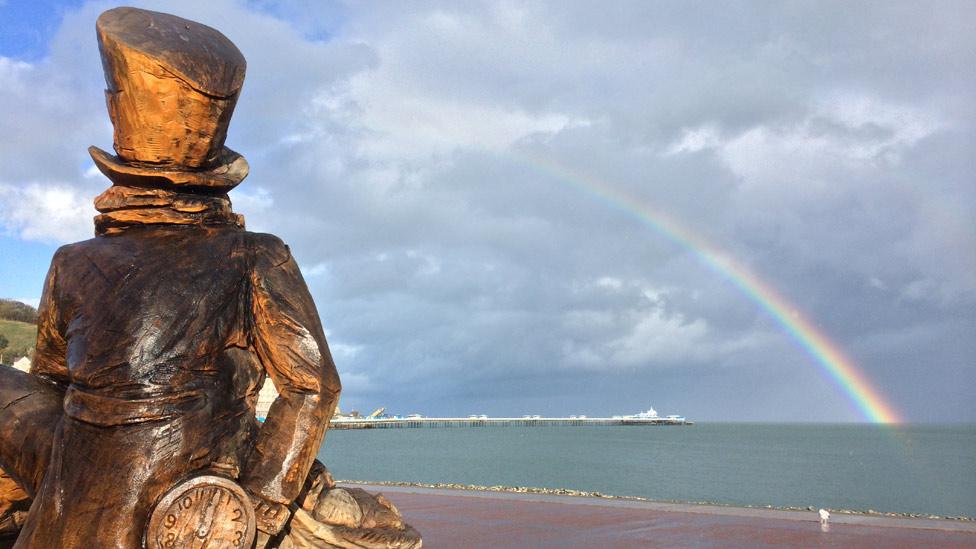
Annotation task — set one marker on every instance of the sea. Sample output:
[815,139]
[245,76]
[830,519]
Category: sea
[923,469]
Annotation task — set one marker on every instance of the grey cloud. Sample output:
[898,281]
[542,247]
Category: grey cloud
[826,147]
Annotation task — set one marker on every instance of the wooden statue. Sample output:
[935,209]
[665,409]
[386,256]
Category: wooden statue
[135,426]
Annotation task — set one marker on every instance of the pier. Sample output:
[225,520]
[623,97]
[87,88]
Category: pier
[455,422]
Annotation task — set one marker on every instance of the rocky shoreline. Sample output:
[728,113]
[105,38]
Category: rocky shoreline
[585,494]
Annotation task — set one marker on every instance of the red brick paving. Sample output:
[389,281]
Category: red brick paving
[448,519]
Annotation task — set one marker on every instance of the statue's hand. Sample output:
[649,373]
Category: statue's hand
[270,516]
[351,518]
[330,516]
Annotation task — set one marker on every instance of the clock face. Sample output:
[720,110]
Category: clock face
[205,512]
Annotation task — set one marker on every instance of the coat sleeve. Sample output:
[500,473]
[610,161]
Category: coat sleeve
[50,350]
[287,337]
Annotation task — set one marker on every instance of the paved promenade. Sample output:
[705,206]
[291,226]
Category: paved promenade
[455,518]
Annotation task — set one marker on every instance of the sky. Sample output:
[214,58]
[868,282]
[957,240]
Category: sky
[563,207]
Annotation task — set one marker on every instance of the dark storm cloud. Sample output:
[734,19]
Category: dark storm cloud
[826,147]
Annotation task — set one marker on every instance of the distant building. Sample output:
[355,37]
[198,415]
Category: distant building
[649,414]
[23,364]
[266,398]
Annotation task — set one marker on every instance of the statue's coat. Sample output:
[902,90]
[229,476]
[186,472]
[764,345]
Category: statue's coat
[159,337]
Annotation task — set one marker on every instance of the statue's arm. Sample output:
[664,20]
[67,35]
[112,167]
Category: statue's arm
[50,350]
[288,338]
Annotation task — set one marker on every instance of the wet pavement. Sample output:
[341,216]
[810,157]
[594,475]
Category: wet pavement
[457,518]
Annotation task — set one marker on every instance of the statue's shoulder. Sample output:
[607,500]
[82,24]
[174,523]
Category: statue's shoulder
[96,247]
[268,248]
[68,251]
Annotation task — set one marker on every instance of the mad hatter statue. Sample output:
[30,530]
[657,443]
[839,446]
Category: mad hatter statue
[135,426]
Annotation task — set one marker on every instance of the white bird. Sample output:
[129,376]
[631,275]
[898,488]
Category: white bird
[824,516]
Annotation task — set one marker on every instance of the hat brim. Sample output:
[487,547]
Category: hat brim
[230,170]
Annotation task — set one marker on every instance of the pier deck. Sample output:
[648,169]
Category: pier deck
[447,422]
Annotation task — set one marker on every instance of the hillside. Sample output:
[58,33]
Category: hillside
[21,336]
[15,310]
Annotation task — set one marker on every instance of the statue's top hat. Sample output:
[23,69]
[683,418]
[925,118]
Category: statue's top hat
[172,88]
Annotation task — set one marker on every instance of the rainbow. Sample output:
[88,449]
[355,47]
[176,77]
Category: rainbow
[840,369]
